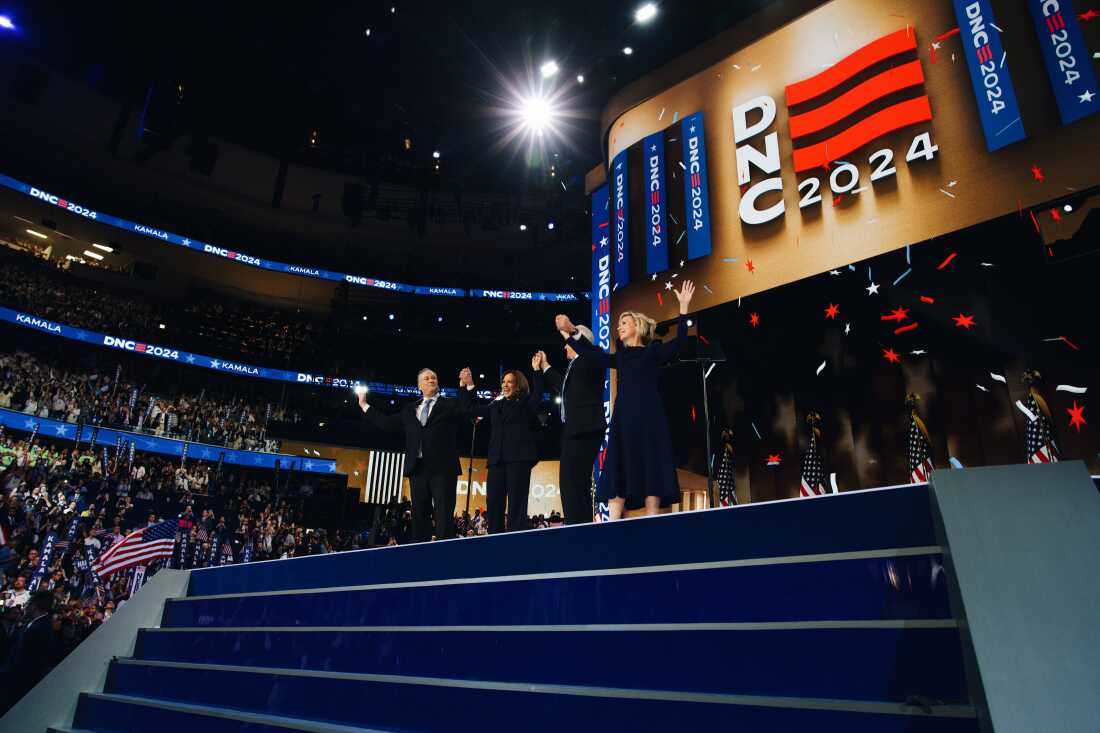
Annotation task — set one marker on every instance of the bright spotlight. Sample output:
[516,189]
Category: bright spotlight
[627,50]
[435,154]
[523,227]
[550,225]
[645,13]
[5,22]
[580,78]
[391,316]
[1067,208]
[548,69]
[690,323]
[537,114]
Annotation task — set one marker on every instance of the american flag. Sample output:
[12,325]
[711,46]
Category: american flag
[727,495]
[138,548]
[1040,436]
[813,469]
[920,454]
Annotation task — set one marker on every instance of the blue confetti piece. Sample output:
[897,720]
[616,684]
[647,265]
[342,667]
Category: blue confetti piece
[729,259]
[852,268]
[675,116]
[955,462]
[902,276]
[869,278]
[756,431]
[907,255]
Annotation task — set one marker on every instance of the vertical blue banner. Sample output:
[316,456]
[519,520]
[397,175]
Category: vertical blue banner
[696,195]
[620,224]
[989,75]
[1066,57]
[656,239]
[601,308]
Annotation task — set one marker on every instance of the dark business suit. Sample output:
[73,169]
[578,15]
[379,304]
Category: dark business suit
[431,459]
[35,651]
[513,452]
[582,411]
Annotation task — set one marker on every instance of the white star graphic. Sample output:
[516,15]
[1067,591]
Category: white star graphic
[653,148]
[205,452]
[332,467]
[668,285]
[190,358]
[654,278]
[918,352]
[834,272]
[186,242]
[872,289]
[936,45]
[308,465]
[1086,96]
[215,364]
[81,335]
[603,241]
[692,128]
[29,424]
[847,328]
[61,430]
[681,263]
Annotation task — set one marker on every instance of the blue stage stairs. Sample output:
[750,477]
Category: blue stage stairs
[822,614]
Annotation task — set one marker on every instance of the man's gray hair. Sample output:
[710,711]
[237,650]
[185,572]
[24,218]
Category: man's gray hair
[587,333]
[425,369]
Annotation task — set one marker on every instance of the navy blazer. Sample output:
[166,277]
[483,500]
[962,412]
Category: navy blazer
[513,424]
[434,446]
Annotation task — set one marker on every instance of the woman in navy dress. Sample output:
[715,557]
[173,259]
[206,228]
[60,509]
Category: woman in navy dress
[638,469]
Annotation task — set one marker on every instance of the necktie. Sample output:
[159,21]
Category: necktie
[425,411]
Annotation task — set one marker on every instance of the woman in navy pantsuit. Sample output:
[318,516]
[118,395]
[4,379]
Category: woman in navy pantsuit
[639,469]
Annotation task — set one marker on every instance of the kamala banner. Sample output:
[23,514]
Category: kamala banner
[180,356]
[109,437]
[247,259]
[857,129]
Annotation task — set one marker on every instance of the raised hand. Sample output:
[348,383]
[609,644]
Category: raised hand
[536,361]
[684,295]
[564,325]
[465,378]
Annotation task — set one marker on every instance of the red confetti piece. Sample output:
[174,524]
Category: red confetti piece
[832,310]
[774,459]
[946,262]
[1035,222]
[948,34]
[1076,416]
[926,299]
[660,301]
[891,356]
[933,56]
[1055,215]
[1068,343]
[963,321]
[1037,173]
[754,319]
[1087,15]
[898,314]
[836,199]
[903,329]
[693,413]
[749,266]
[1050,252]
[704,339]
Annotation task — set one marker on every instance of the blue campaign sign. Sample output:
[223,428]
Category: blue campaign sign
[989,74]
[656,231]
[696,192]
[523,295]
[1066,57]
[600,297]
[105,437]
[620,223]
[241,257]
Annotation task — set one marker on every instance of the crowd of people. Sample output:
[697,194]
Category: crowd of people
[45,486]
[53,390]
[243,330]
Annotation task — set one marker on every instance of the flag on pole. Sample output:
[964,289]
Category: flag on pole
[727,484]
[813,467]
[918,444]
[140,547]
[1039,433]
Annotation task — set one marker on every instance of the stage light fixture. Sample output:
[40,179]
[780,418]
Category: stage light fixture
[557,400]
[537,113]
[435,154]
[103,247]
[690,323]
[627,50]
[93,255]
[40,235]
[1067,208]
[522,228]
[364,318]
[439,319]
[550,226]
[645,13]
[548,69]
[6,24]
[580,78]
[391,316]
[161,326]
[368,32]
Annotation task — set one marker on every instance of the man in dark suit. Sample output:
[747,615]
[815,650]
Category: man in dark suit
[583,422]
[431,450]
[36,648]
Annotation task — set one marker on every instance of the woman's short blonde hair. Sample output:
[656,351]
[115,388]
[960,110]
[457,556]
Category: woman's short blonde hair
[646,326]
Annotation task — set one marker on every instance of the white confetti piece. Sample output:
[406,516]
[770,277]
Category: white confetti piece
[861,189]
[1071,388]
[998,28]
[707,288]
[1004,55]
[682,164]
[755,67]
[986,264]
[821,368]
[1030,415]
[756,431]
[737,66]
[955,462]
[998,378]
[832,482]
[662,113]
[951,184]
[947,193]
[982,388]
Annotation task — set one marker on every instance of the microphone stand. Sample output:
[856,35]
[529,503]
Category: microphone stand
[470,469]
[706,356]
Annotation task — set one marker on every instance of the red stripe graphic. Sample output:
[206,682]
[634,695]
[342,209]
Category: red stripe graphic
[894,117]
[876,87]
[874,52]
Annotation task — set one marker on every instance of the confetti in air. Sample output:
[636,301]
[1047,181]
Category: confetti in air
[1028,413]
[982,388]
[998,378]
[947,261]
[1070,388]
[821,369]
